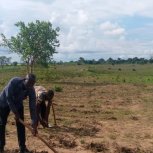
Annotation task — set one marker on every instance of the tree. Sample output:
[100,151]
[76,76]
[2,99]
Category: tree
[101,61]
[81,61]
[35,42]
[4,60]
[15,63]
[110,61]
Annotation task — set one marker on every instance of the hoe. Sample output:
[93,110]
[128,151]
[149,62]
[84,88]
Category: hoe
[38,136]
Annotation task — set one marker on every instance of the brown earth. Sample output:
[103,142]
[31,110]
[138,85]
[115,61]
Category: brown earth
[95,118]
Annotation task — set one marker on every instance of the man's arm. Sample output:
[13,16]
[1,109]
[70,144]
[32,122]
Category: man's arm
[48,105]
[38,112]
[10,97]
[32,106]
[38,108]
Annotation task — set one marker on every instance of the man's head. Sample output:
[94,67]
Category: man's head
[30,80]
[50,94]
[46,96]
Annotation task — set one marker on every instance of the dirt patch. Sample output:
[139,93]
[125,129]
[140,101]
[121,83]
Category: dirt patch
[97,147]
[67,142]
[85,131]
[92,118]
[127,150]
[17,151]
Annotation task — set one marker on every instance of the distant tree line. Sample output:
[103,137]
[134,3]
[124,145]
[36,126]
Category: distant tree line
[7,61]
[112,61]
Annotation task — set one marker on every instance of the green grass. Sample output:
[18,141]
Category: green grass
[139,74]
[98,73]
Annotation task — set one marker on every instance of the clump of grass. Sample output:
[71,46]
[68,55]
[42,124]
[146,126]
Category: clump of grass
[128,150]
[58,88]
[83,131]
[2,83]
[97,147]
[133,69]
[68,142]
[117,78]
[113,136]
[68,122]
[82,141]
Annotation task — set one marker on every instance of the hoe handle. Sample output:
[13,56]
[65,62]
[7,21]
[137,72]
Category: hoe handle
[54,114]
[38,136]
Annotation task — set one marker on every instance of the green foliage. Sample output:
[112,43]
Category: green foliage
[58,88]
[112,61]
[82,141]
[4,61]
[95,74]
[15,63]
[35,42]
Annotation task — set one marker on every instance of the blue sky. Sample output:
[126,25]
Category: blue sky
[91,29]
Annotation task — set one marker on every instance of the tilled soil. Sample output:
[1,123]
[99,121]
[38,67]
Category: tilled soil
[98,118]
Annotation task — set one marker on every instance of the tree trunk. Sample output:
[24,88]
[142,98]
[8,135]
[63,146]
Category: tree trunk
[28,66]
[28,69]
[31,67]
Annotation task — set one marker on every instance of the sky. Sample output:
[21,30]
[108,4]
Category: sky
[91,29]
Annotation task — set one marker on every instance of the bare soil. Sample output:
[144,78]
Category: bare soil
[94,118]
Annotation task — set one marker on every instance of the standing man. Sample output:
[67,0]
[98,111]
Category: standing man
[11,99]
[44,101]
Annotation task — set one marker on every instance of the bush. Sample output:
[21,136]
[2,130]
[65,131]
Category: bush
[120,69]
[133,69]
[58,89]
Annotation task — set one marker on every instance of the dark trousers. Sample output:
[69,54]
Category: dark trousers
[4,112]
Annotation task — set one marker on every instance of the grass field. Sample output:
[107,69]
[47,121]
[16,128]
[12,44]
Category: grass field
[100,108]
[139,74]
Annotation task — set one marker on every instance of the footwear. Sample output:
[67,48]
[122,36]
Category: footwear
[49,125]
[24,151]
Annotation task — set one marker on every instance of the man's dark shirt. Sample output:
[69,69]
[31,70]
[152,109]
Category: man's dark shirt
[13,95]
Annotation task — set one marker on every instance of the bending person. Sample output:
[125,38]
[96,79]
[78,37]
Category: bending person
[44,102]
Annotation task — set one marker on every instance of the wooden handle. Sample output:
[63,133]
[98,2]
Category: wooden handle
[54,114]
[38,136]
[54,103]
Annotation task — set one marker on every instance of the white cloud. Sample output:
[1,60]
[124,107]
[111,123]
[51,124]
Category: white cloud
[86,25]
[108,28]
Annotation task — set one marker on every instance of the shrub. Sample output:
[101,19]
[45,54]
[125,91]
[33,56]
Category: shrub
[58,89]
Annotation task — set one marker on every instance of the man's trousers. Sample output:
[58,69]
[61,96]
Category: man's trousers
[4,112]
